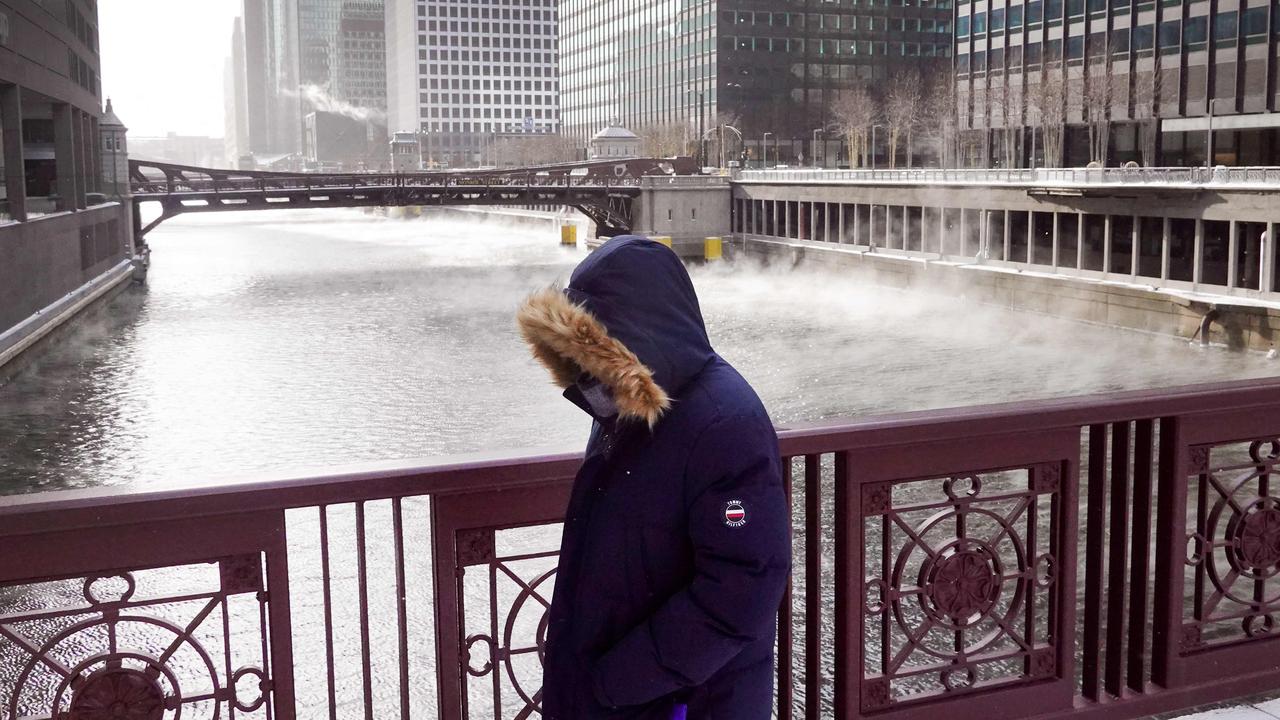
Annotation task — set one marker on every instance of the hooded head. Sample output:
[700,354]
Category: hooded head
[629,319]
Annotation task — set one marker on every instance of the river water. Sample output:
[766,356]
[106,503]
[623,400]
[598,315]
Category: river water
[310,338]
[302,339]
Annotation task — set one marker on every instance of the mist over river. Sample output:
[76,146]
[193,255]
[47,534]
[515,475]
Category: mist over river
[300,339]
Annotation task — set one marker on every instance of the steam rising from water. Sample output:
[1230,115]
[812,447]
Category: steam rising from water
[293,339]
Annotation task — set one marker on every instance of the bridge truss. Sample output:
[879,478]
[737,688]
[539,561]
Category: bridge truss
[604,191]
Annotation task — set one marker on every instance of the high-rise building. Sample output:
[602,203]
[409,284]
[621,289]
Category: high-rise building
[1113,81]
[296,60]
[765,66]
[359,72]
[462,73]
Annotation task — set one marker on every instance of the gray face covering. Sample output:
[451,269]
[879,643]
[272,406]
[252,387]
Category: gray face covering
[598,396]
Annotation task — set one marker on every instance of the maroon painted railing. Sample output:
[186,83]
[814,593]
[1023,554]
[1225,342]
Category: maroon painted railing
[1111,556]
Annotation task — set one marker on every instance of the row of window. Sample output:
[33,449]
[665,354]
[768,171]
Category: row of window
[485,70]
[453,10]
[437,128]
[1172,36]
[437,112]
[798,46]
[830,22]
[488,28]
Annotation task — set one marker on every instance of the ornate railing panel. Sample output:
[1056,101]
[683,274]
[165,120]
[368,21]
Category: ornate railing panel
[1115,556]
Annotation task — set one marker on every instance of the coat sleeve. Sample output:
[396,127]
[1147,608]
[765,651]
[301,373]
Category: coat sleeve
[739,575]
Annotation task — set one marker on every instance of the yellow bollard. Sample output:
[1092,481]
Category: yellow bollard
[664,239]
[568,234]
[712,249]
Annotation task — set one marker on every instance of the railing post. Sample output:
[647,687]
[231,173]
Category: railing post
[1171,547]
[1233,240]
[1268,246]
[1107,229]
[1164,250]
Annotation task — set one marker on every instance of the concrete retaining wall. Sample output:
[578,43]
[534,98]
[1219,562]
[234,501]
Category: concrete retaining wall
[1239,324]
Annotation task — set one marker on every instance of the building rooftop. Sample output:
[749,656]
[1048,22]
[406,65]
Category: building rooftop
[615,132]
[109,117]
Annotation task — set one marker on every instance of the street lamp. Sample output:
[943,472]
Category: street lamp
[764,151]
[1208,162]
[813,149]
[736,131]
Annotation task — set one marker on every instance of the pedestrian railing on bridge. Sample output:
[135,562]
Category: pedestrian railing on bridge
[1221,175]
[1112,556]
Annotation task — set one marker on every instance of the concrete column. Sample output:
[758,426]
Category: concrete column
[1136,233]
[906,226]
[923,224]
[942,232]
[840,225]
[786,219]
[84,178]
[15,180]
[1164,250]
[888,228]
[1197,255]
[1233,267]
[1106,243]
[984,228]
[1031,236]
[857,224]
[1008,237]
[964,234]
[1079,241]
[1057,246]
[1267,282]
[826,222]
[95,155]
[64,154]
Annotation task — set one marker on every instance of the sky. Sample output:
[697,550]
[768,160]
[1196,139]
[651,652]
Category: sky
[162,63]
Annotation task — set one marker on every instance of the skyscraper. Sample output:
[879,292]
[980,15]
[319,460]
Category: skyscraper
[1054,82]
[766,66]
[463,73]
[293,63]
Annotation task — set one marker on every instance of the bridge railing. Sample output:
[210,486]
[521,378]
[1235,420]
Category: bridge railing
[1269,176]
[306,182]
[1109,556]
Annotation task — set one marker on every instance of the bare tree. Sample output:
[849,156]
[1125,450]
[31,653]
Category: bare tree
[1146,111]
[1100,89]
[939,121]
[668,139]
[1048,112]
[853,111]
[902,111]
[532,149]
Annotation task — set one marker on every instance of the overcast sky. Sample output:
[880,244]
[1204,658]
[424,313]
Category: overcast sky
[162,63]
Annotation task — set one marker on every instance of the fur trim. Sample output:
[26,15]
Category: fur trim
[569,340]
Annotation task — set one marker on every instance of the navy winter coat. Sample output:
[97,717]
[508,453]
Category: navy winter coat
[676,545]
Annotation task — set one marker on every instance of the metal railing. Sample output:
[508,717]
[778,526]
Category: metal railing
[1221,175]
[1111,556]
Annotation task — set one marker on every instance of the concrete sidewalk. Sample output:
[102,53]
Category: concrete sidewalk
[1268,709]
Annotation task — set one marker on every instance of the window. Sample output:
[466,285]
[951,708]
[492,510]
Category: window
[1035,12]
[962,26]
[1170,34]
[1033,54]
[1053,9]
[997,20]
[1196,30]
[979,23]
[1255,21]
[1015,17]
[1144,37]
[1075,8]
[1120,41]
[1225,26]
[1075,47]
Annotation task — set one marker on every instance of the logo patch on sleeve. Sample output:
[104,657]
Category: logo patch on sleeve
[735,514]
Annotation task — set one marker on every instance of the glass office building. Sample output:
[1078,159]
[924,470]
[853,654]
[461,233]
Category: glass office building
[659,66]
[1146,70]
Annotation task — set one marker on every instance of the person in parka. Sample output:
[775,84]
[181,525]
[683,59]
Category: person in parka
[676,545]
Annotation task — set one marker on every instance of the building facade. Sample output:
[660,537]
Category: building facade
[1051,82]
[764,66]
[463,73]
[59,233]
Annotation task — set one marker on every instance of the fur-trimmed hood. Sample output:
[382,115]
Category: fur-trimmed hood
[630,318]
